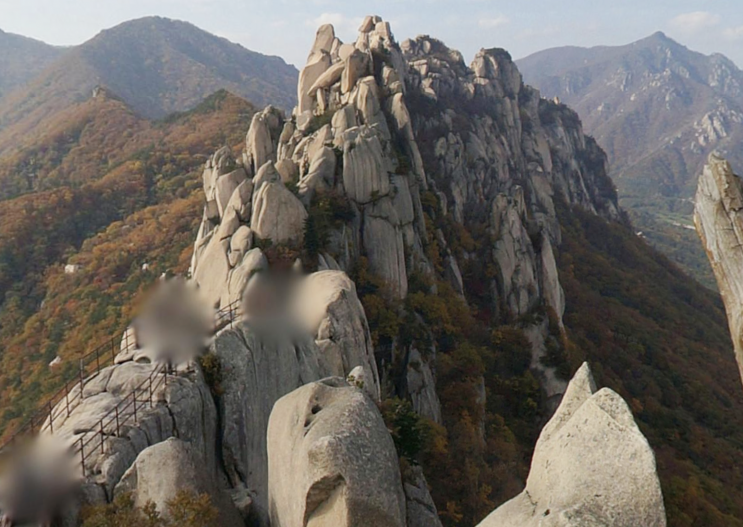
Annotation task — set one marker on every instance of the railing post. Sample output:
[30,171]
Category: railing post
[113,349]
[82,379]
[51,418]
[101,423]
[134,399]
[67,396]
[82,454]
[150,390]
[118,430]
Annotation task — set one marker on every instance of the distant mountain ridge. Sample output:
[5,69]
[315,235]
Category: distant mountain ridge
[658,109]
[156,65]
[22,58]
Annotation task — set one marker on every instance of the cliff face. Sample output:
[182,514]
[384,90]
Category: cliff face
[404,168]
[387,131]
[719,221]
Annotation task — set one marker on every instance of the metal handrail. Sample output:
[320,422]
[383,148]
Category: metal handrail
[118,415]
[43,418]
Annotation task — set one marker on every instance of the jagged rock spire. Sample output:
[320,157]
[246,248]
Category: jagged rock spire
[718,216]
[591,466]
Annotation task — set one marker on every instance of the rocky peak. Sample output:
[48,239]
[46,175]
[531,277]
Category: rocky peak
[379,126]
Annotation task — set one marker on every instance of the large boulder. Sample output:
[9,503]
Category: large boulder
[591,466]
[260,143]
[365,167]
[163,470]
[355,66]
[327,79]
[226,186]
[331,460]
[323,39]
[212,269]
[317,64]
[321,174]
[278,215]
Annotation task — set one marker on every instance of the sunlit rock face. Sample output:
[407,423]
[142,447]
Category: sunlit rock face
[331,460]
[591,466]
[718,216]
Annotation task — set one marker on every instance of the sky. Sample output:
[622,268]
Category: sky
[286,27]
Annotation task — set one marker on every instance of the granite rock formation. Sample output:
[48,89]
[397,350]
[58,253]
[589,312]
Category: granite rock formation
[591,466]
[718,218]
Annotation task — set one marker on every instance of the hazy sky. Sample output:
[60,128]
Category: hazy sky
[286,27]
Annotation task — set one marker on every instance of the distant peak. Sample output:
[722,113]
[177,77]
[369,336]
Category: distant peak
[657,37]
[156,21]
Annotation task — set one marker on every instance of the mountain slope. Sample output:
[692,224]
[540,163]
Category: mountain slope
[660,340]
[658,109]
[157,66]
[133,209]
[21,59]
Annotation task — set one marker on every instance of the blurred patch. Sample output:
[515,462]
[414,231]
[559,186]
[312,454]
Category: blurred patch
[38,481]
[174,325]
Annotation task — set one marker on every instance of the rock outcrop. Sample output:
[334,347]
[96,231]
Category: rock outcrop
[180,408]
[718,216]
[329,309]
[259,366]
[278,215]
[331,460]
[327,335]
[591,466]
[165,469]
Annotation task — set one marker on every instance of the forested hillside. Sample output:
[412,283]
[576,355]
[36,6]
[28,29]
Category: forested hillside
[660,340]
[157,66]
[22,58]
[132,202]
